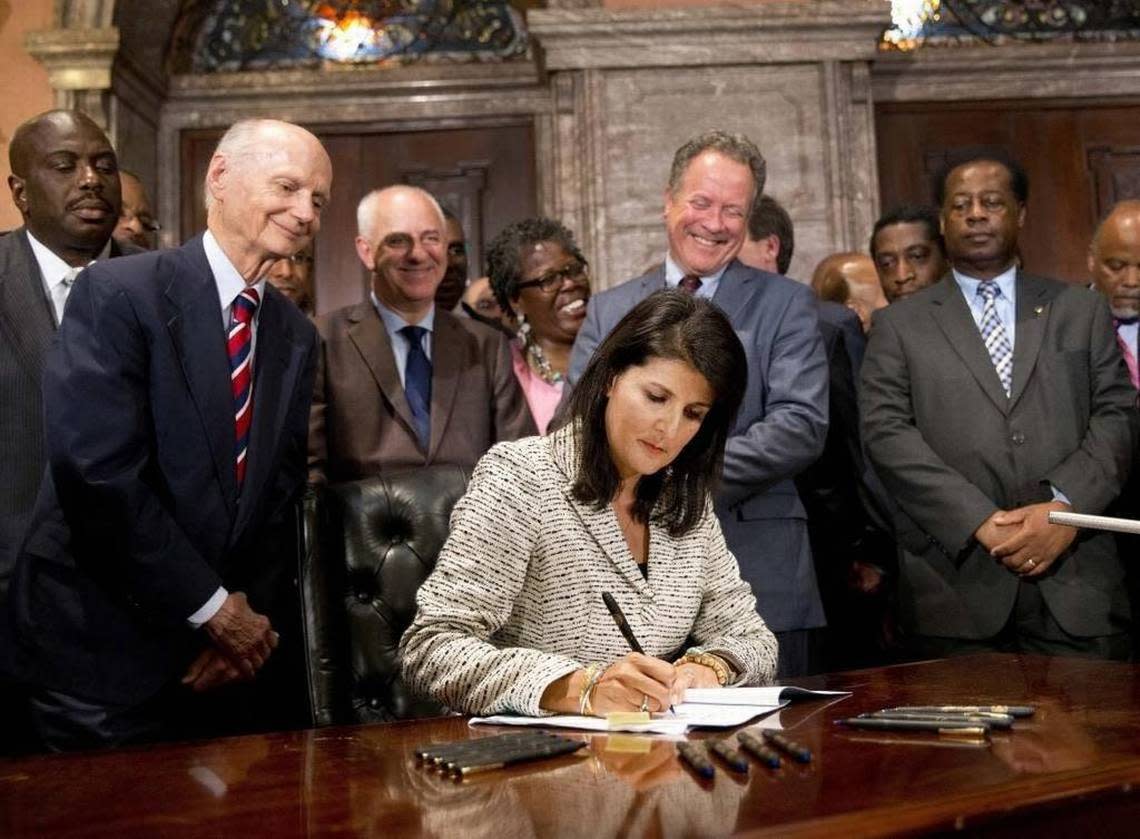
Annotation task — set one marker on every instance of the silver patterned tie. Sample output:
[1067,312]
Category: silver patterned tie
[993,335]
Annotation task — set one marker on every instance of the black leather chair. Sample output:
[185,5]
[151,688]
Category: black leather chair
[368,545]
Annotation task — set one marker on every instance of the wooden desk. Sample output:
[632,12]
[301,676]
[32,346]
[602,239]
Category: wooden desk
[1074,768]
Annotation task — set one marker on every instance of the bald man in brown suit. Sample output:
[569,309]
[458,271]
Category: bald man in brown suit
[401,383]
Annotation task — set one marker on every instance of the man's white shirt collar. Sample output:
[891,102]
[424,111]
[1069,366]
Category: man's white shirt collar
[54,270]
[226,277]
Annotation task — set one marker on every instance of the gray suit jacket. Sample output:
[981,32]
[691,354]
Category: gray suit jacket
[951,449]
[779,431]
[27,325]
[360,422]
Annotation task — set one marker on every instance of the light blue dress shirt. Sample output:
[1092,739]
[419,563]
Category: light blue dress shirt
[393,323]
[674,275]
[1005,303]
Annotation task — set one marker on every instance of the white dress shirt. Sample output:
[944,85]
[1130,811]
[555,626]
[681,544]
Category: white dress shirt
[229,284]
[56,274]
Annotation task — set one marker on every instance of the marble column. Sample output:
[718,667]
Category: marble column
[79,64]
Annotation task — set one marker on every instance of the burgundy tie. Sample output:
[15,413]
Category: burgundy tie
[1129,357]
[240,342]
[690,283]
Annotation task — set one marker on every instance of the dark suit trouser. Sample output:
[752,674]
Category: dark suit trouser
[1031,628]
[799,652]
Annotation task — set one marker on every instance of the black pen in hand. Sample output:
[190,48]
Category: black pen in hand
[622,623]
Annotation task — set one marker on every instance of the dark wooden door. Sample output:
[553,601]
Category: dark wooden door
[1080,157]
[485,174]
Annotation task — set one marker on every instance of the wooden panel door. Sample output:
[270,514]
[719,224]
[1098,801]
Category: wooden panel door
[486,173]
[1080,159]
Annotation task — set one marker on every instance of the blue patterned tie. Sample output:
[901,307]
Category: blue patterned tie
[993,335]
[417,383]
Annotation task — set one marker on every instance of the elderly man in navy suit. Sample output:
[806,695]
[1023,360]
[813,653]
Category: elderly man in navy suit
[176,404]
[782,424]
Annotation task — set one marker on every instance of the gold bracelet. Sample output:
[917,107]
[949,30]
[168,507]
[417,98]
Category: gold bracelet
[593,674]
[714,662]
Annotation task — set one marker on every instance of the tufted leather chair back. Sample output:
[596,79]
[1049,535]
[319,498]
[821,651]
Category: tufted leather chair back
[368,546]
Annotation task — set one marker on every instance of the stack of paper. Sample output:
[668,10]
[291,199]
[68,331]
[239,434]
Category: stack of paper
[701,708]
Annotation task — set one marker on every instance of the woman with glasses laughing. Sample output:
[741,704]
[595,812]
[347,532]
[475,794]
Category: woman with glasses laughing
[542,282]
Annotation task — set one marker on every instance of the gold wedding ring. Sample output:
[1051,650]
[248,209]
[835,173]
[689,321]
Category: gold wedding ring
[1030,564]
[644,703]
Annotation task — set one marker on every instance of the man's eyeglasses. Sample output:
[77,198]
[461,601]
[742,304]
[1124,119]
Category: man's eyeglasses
[552,281]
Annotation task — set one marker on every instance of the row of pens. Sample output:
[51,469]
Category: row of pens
[463,758]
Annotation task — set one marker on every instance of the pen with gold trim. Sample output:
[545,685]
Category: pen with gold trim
[1002,721]
[957,729]
[1012,710]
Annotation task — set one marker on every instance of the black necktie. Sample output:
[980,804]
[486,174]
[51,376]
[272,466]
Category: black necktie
[417,383]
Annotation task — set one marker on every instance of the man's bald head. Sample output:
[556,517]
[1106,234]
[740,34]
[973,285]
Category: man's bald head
[402,240]
[850,278]
[65,182]
[1114,259]
[266,186]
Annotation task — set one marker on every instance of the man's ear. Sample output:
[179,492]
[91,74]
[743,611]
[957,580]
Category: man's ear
[216,175]
[19,195]
[365,252]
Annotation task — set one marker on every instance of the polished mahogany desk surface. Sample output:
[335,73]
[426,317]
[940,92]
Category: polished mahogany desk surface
[1074,767]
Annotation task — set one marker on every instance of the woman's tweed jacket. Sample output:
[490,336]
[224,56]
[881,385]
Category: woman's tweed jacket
[515,600]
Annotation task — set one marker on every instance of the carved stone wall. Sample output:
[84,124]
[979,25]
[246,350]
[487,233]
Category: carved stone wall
[630,87]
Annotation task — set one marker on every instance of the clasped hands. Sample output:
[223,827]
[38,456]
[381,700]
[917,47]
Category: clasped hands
[628,683]
[1023,540]
[241,640]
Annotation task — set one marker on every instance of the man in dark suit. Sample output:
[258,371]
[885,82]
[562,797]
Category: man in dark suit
[783,420]
[989,400]
[65,183]
[176,402]
[402,383]
[1114,265]
[848,513]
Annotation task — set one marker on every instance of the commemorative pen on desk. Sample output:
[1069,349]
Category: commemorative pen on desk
[800,753]
[761,752]
[950,729]
[999,721]
[1012,710]
[733,758]
[552,746]
[697,756]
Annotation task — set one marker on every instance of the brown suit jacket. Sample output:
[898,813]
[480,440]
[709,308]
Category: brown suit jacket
[360,423]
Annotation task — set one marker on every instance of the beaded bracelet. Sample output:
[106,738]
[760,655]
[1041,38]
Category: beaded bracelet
[714,662]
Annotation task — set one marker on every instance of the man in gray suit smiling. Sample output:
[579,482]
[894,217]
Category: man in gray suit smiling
[990,399]
[782,423]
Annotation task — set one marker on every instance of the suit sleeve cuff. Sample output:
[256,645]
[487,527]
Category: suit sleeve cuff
[208,609]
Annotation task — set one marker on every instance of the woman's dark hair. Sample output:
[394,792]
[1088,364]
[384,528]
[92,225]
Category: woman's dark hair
[504,256]
[673,325]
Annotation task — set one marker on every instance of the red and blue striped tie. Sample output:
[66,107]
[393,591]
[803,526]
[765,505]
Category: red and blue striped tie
[240,343]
